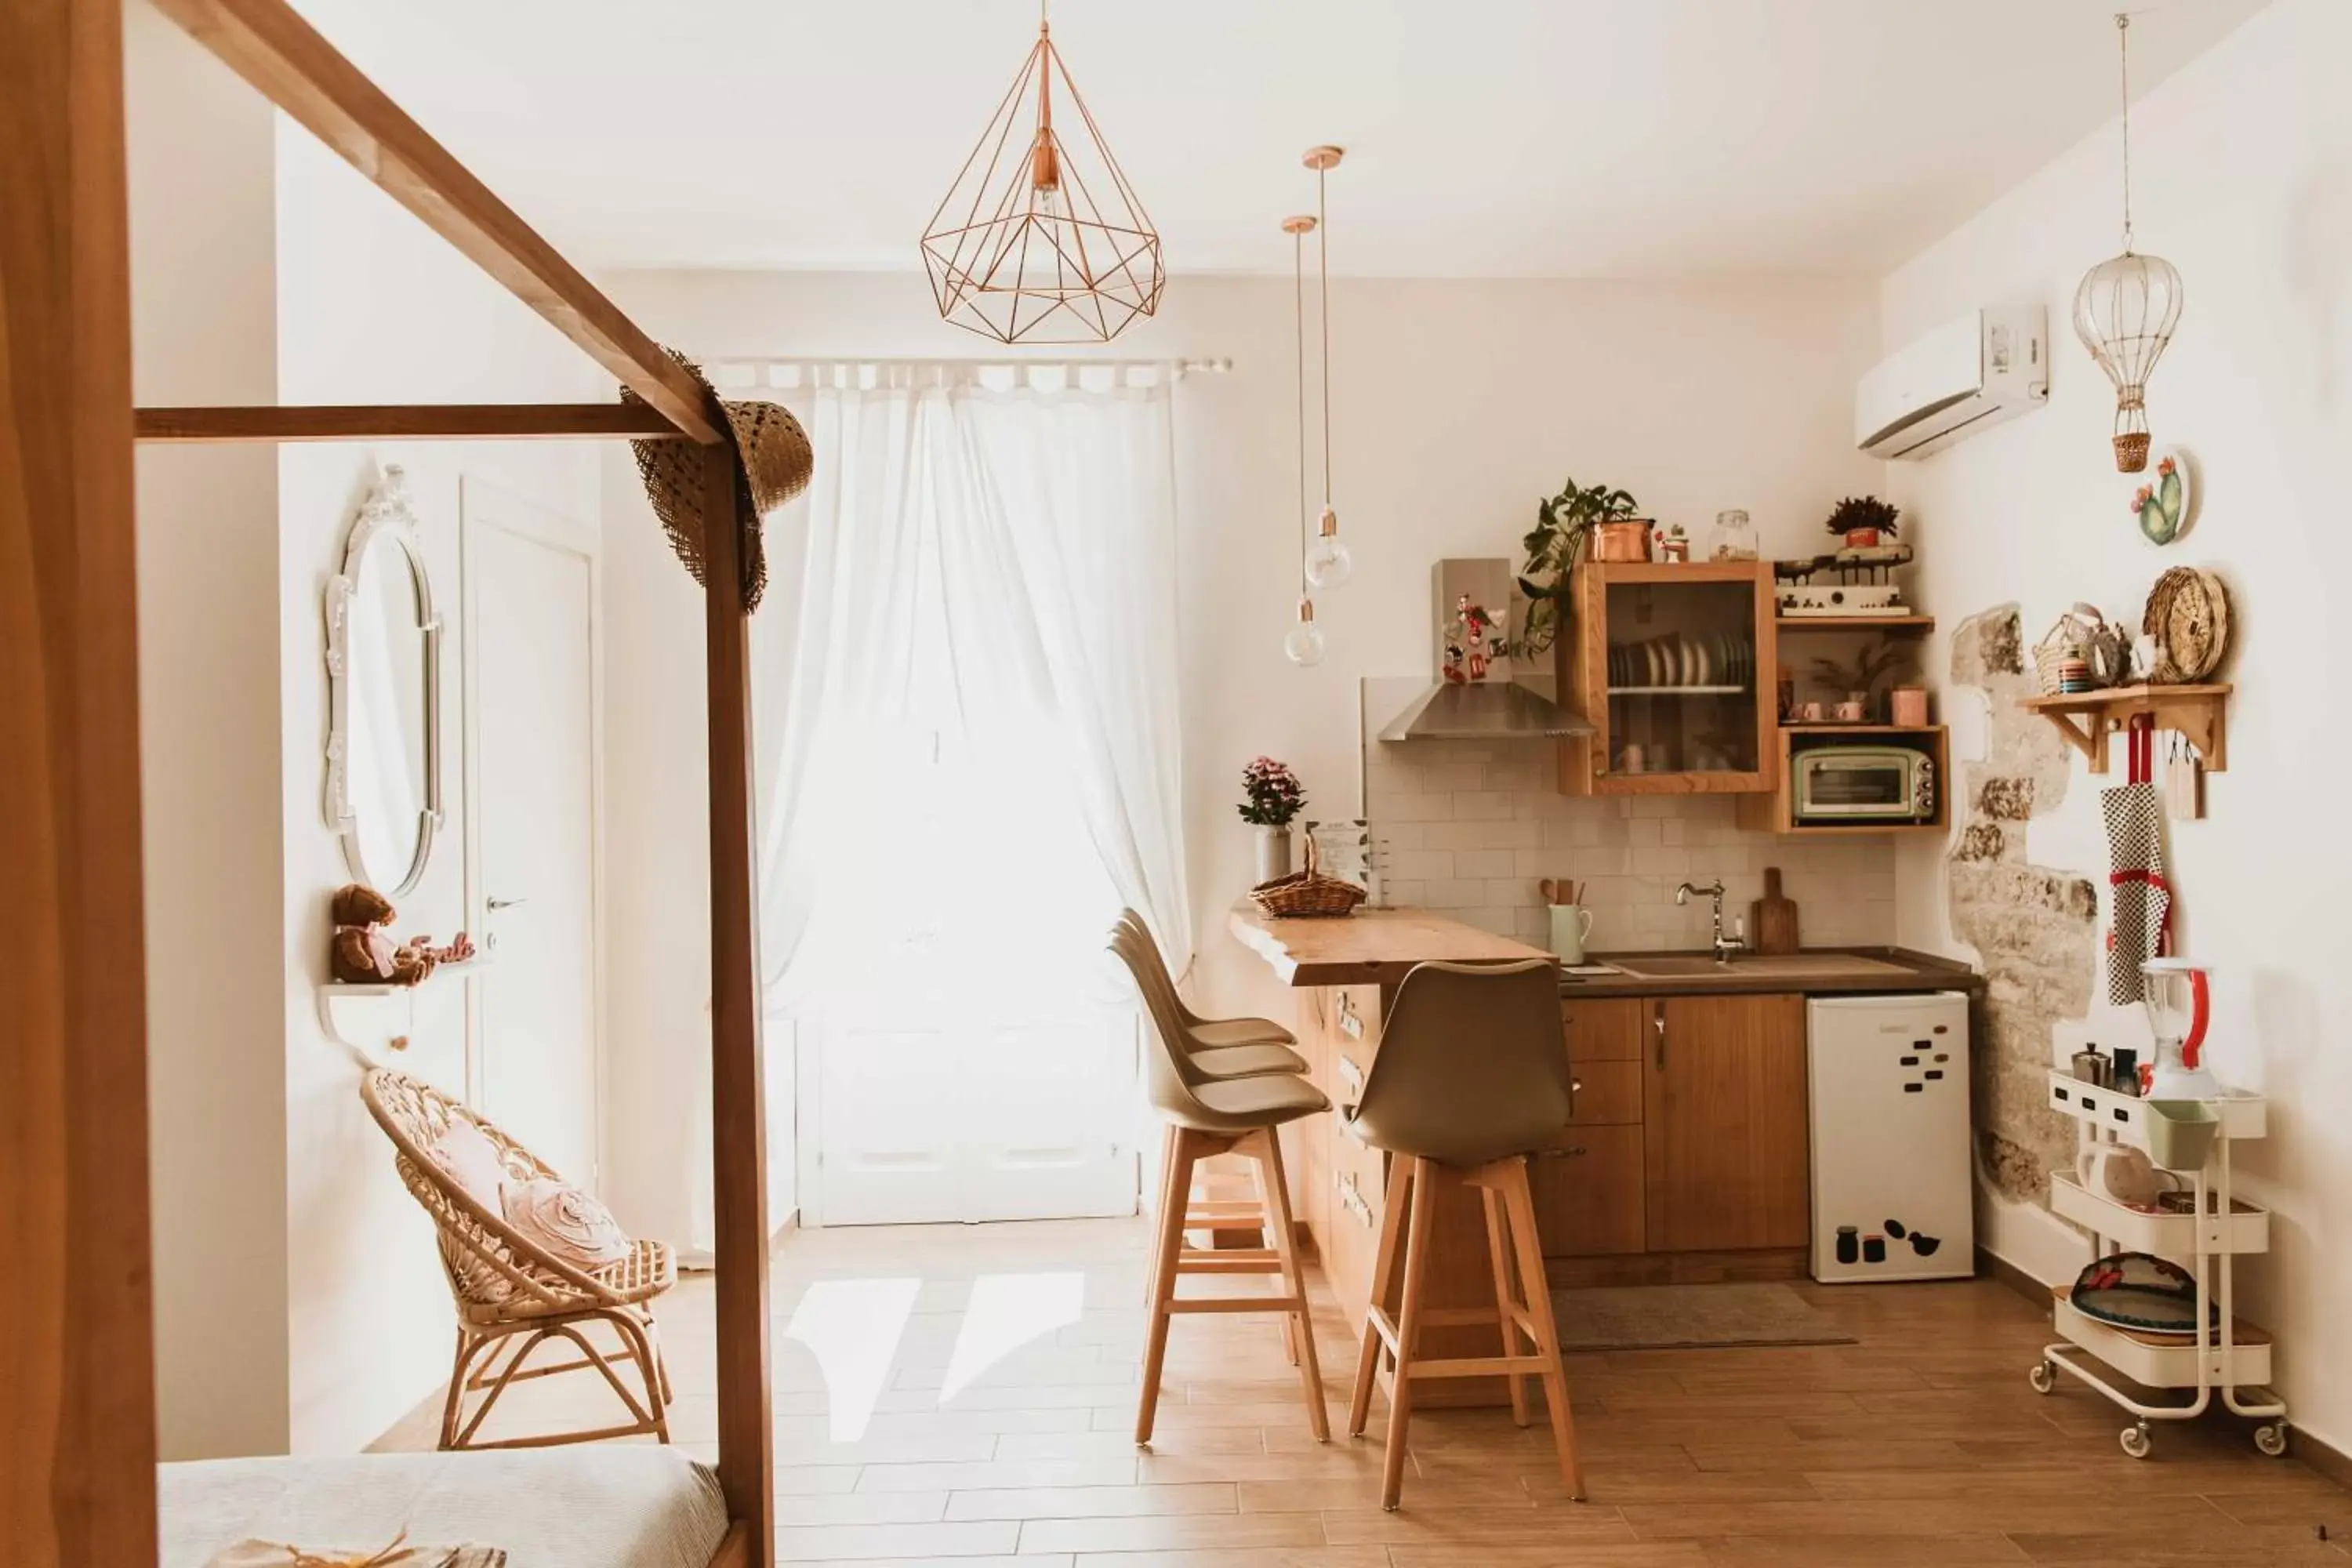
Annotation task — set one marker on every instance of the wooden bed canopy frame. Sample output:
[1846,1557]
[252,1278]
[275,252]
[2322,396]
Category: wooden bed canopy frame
[78,1445]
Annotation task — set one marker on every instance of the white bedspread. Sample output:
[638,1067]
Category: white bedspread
[636,1506]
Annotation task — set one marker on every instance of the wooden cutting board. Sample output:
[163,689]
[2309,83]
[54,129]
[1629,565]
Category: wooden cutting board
[1773,918]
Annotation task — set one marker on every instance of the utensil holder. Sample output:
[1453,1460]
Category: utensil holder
[2180,1133]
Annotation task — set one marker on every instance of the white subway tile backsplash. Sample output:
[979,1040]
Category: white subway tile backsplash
[1469,830]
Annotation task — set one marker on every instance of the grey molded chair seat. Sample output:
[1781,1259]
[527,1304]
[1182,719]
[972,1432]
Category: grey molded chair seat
[1210,1032]
[1471,1077]
[1220,1048]
[1242,1104]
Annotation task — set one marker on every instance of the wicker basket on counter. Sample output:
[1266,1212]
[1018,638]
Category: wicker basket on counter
[1308,894]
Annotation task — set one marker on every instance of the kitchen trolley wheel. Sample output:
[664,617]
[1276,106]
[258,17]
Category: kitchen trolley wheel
[2135,1440]
[2272,1439]
[2044,1377]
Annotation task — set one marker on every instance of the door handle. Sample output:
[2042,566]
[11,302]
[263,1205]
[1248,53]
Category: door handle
[503,903]
[1659,1022]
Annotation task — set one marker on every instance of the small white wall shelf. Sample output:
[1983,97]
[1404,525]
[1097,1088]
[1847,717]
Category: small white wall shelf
[2224,1354]
[378,1020]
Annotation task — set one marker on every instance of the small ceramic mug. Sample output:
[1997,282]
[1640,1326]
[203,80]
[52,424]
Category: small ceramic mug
[1850,711]
[1571,924]
[1809,714]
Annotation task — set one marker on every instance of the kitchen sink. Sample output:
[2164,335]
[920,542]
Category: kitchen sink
[1795,965]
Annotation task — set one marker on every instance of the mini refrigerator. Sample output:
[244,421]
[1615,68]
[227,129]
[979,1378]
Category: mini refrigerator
[1894,1192]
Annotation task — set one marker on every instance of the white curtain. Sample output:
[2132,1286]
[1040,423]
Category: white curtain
[1036,524]
[989,553]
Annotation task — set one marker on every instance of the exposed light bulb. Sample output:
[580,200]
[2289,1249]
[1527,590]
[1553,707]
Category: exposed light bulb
[1304,642]
[1328,562]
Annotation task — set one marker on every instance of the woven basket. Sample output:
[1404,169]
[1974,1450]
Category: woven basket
[1308,894]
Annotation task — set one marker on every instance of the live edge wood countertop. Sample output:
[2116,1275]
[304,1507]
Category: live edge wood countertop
[1370,947]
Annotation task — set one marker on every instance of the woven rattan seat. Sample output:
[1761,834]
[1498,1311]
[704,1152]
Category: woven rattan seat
[506,1287]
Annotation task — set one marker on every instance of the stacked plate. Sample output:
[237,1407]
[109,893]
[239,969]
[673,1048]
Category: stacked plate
[1684,659]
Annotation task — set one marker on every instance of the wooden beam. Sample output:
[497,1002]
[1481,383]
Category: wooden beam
[266,44]
[76,1341]
[406,421]
[737,1083]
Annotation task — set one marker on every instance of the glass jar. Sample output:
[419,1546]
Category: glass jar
[1733,538]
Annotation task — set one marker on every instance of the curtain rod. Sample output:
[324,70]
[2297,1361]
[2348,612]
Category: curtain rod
[755,370]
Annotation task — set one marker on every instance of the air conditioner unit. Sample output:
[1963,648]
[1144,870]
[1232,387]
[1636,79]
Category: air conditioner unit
[1963,377]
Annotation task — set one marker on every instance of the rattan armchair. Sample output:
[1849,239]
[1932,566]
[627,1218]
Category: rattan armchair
[506,1287]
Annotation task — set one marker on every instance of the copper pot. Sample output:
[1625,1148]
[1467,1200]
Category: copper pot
[1625,541]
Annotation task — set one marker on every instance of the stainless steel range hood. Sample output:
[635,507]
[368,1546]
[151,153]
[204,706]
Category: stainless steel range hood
[1478,695]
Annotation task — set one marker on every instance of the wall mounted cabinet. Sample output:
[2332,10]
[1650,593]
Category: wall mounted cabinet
[1675,667]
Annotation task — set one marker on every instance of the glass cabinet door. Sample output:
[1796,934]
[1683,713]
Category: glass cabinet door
[1678,676]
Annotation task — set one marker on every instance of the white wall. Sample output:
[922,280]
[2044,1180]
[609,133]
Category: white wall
[374,307]
[2242,170]
[203,330]
[1456,405]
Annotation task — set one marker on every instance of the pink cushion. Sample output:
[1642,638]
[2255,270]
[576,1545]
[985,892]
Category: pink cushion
[468,1157]
[566,1222]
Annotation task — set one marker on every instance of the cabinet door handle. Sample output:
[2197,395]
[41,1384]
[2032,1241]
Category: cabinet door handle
[1570,1153]
[1351,1078]
[1659,1023]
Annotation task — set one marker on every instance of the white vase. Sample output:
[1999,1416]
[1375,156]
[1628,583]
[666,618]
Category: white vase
[1272,853]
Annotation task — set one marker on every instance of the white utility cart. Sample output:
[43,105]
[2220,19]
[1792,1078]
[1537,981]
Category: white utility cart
[2223,1353]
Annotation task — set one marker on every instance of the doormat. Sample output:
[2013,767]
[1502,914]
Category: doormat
[1689,1316]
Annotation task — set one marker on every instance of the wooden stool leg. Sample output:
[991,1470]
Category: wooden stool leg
[1167,1194]
[1163,1279]
[1522,1210]
[1299,1322]
[1497,1254]
[1416,1268]
[1384,1264]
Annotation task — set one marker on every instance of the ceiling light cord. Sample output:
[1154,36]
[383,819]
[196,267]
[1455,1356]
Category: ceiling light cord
[2123,54]
[1323,275]
[1298,316]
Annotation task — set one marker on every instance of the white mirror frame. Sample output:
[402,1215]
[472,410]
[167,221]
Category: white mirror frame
[386,511]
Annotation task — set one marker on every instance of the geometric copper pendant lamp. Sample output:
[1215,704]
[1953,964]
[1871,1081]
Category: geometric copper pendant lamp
[1040,239]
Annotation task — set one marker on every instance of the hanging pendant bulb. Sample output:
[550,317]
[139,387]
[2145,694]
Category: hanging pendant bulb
[1329,564]
[1303,644]
[2126,307]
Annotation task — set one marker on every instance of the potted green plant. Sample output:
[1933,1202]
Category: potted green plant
[1564,524]
[1862,520]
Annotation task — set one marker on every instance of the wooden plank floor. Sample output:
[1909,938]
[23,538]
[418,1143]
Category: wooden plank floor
[1919,1445]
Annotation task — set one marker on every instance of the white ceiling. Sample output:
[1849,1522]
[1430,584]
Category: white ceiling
[1485,138]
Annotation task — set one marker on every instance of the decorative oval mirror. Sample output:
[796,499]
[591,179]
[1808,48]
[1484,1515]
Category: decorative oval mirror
[384,666]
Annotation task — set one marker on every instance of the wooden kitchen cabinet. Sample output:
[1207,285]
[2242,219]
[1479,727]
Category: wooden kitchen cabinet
[1589,1192]
[1724,1124]
[1675,666]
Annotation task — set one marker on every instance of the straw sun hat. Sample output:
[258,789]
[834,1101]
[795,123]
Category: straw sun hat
[772,462]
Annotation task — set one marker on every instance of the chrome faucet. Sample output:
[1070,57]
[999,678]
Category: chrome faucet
[1724,946]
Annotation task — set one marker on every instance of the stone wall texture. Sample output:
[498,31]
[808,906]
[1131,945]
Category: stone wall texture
[2034,927]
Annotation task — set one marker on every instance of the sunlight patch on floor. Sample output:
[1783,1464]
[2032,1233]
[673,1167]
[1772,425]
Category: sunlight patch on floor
[1007,1311]
[851,1327]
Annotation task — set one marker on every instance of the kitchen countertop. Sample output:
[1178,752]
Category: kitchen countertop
[1815,969]
[1378,946]
[1370,947]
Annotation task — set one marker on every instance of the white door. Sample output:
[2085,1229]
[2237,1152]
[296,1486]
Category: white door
[970,1054]
[529,641]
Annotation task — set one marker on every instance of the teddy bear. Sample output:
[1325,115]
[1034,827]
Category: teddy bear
[362,953]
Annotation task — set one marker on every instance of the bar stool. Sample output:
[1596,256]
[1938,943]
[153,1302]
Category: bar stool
[1206,1117]
[1472,1077]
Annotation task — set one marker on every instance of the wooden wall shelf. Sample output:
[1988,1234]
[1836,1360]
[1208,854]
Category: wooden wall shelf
[1914,626]
[2087,718]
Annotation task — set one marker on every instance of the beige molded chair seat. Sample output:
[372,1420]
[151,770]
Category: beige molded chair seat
[1209,1033]
[508,1288]
[1243,1104]
[1219,1048]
